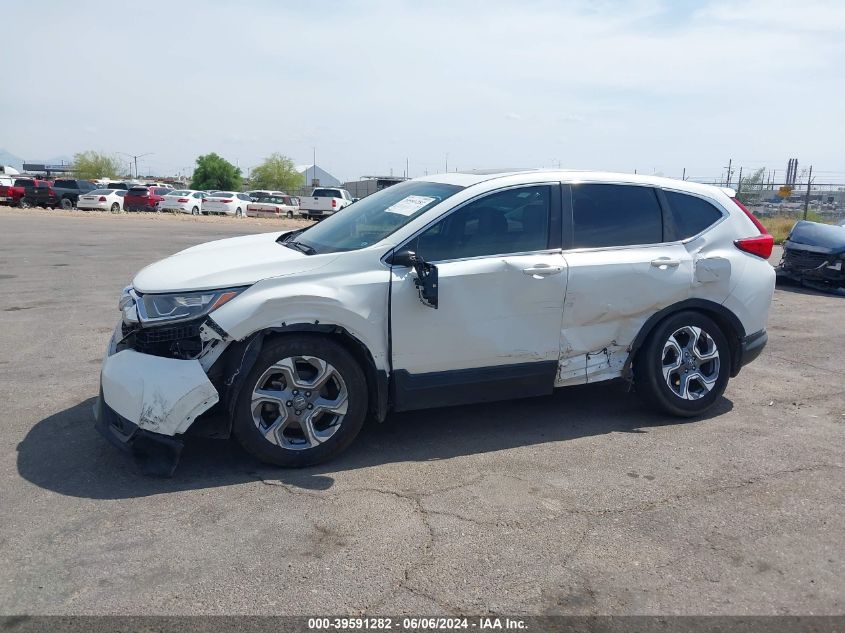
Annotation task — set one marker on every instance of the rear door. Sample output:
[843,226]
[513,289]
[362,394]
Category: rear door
[501,284]
[623,268]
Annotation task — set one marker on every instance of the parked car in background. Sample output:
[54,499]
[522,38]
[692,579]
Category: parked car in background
[144,198]
[14,194]
[102,200]
[183,201]
[814,255]
[323,202]
[447,290]
[257,194]
[227,203]
[116,185]
[273,206]
[64,193]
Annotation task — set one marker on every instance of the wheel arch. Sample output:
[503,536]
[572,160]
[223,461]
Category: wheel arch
[239,358]
[727,321]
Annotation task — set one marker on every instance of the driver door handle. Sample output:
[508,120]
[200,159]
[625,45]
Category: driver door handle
[665,261]
[543,270]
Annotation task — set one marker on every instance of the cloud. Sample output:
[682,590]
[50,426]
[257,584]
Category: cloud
[646,82]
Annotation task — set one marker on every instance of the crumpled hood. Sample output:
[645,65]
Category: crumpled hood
[816,237]
[236,261]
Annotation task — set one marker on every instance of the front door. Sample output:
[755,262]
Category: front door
[501,285]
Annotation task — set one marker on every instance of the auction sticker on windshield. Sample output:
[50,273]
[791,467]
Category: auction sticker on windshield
[409,205]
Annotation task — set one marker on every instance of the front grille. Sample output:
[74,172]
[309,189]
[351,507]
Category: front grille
[180,340]
[804,259]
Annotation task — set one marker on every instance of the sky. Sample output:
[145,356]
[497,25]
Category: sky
[649,85]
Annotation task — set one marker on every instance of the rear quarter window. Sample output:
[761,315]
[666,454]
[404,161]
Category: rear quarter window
[690,214]
[615,215]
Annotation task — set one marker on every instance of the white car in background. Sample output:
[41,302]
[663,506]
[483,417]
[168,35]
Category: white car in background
[102,200]
[227,203]
[183,201]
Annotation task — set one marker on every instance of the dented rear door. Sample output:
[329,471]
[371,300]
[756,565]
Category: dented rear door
[620,273]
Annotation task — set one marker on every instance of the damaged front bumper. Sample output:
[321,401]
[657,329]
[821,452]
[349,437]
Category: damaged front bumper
[147,402]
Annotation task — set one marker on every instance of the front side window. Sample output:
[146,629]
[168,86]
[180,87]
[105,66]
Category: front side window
[690,215]
[372,219]
[615,215]
[511,221]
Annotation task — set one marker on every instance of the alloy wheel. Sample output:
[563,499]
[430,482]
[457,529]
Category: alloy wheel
[690,362]
[299,402]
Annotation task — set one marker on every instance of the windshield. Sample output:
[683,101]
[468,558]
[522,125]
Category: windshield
[375,217]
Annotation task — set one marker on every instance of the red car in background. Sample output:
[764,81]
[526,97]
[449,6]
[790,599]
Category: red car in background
[143,198]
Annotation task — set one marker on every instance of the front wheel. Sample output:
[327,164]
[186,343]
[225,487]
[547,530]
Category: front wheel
[304,402]
[684,365]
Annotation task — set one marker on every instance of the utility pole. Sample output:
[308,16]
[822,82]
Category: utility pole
[447,162]
[728,177]
[739,182]
[684,174]
[807,195]
[407,173]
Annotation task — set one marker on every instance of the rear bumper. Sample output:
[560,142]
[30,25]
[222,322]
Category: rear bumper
[750,348]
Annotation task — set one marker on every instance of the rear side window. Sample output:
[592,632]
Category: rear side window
[615,215]
[325,193]
[690,215]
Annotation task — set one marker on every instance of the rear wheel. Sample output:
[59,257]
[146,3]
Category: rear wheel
[239,213]
[23,203]
[67,204]
[195,211]
[684,365]
[304,402]
[115,207]
[290,215]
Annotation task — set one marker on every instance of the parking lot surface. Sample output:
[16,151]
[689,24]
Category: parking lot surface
[582,502]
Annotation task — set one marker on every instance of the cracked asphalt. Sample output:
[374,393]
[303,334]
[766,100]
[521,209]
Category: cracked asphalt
[583,502]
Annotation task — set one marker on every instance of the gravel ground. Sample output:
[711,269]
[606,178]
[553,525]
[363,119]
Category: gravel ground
[583,502]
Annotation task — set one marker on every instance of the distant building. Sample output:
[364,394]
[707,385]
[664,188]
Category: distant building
[315,176]
[370,184]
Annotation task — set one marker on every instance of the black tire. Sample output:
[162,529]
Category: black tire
[290,215]
[649,362]
[195,211]
[115,207]
[254,442]
[239,213]
[23,203]
[67,204]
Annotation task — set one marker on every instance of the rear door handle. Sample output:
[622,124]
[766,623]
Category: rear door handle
[665,261]
[543,270]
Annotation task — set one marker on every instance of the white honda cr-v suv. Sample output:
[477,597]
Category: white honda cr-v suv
[456,288]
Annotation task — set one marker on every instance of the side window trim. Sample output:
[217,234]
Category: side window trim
[670,231]
[555,208]
[568,221]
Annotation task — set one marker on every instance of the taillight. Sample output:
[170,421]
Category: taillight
[334,203]
[182,200]
[102,198]
[759,245]
[225,201]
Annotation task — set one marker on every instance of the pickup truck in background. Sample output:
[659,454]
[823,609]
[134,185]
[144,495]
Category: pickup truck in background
[63,193]
[14,192]
[323,202]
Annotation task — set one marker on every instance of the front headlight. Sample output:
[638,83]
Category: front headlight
[182,306]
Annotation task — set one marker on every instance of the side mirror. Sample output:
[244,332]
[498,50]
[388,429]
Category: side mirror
[426,280]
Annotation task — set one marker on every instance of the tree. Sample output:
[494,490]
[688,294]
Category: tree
[276,172]
[92,165]
[751,187]
[215,172]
